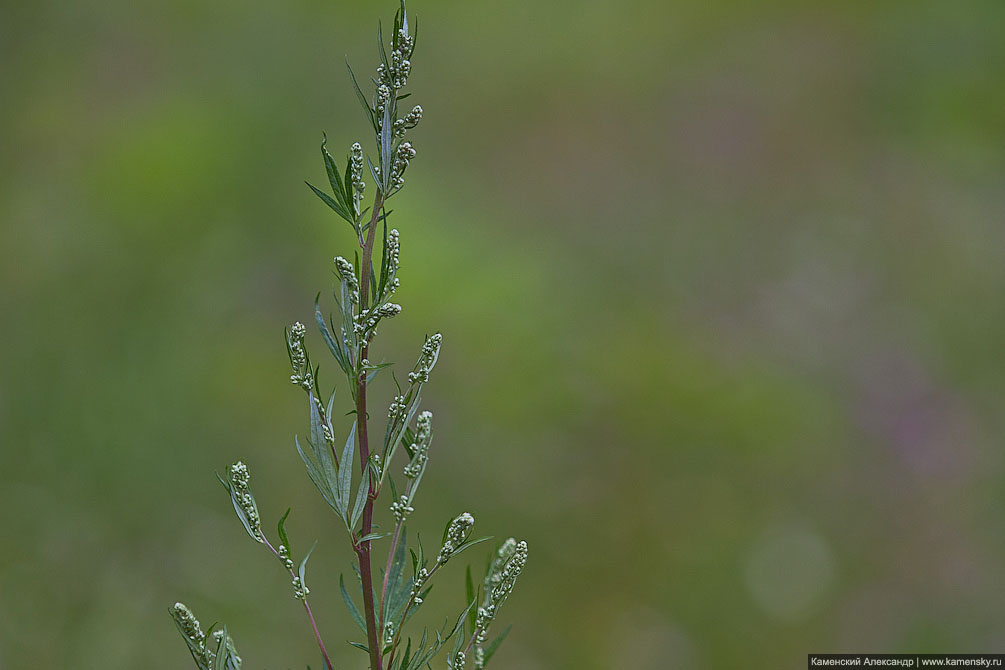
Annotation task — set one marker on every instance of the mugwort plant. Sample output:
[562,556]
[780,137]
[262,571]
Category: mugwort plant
[393,588]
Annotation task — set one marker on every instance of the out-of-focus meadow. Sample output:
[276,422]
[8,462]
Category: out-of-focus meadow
[721,286]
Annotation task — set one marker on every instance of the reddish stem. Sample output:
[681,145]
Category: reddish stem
[363,548]
[310,614]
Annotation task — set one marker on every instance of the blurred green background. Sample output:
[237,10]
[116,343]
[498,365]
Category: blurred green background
[720,284]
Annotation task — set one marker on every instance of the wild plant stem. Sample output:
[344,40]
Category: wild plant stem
[317,635]
[310,614]
[471,640]
[408,606]
[363,548]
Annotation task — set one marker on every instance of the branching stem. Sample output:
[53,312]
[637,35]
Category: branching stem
[408,606]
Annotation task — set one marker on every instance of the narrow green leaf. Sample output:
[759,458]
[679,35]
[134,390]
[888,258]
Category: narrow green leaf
[361,97]
[469,591]
[303,565]
[345,472]
[398,599]
[282,531]
[357,508]
[494,645]
[377,180]
[327,199]
[221,652]
[334,347]
[458,641]
[316,476]
[408,653]
[380,47]
[398,562]
[383,262]
[470,544]
[334,178]
[373,536]
[317,428]
[351,606]
[347,183]
[385,147]
[324,454]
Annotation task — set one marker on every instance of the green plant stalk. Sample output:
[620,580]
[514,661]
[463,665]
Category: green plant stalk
[363,548]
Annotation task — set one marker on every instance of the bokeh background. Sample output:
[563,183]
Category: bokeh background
[721,288]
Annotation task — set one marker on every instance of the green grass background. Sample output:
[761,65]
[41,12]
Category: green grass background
[720,285]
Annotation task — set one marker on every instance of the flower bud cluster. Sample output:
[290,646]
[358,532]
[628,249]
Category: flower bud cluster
[458,660]
[494,575]
[392,254]
[413,117]
[190,626]
[514,566]
[300,590]
[502,575]
[420,448]
[348,275]
[240,479]
[392,286]
[383,96]
[397,406]
[420,580]
[402,157]
[427,359]
[397,71]
[401,509]
[356,171]
[192,631]
[479,658]
[388,632]
[393,251]
[411,120]
[457,534]
[284,556]
[367,321]
[298,357]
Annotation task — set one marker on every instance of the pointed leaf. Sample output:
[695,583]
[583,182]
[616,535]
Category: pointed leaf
[494,645]
[334,347]
[360,96]
[470,544]
[373,536]
[282,531]
[334,178]
[327,199]
[303,565]
[361,494]
[345,472]
[469,592]
[316,476]
[351,606]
